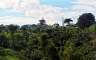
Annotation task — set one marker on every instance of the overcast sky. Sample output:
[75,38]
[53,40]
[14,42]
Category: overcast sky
[53,11]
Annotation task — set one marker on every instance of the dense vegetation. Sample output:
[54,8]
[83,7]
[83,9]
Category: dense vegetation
[45,42]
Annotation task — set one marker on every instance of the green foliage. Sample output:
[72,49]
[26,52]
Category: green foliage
[86,20]
[7,54]
[35,42]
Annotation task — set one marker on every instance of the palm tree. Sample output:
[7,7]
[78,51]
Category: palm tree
[68,21]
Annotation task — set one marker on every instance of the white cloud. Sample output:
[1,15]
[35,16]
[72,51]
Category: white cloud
[38,11]
[8,3]
[82,6]
[32,8]
[79,7]
[17,20]
[87,5]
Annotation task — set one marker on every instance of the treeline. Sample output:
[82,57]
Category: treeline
[50,42]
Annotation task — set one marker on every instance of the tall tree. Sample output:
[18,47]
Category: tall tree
[86,20]
[42,21]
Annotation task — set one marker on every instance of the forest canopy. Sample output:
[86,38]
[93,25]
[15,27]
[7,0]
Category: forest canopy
[50,42]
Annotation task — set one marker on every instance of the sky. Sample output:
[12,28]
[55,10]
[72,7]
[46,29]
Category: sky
[53,11]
